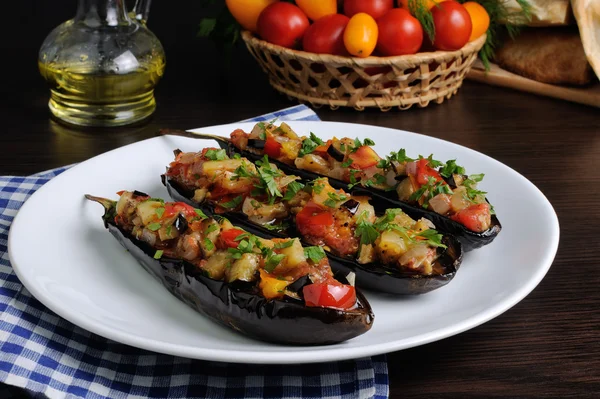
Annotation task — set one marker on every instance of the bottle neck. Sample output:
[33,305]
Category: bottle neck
[102,12]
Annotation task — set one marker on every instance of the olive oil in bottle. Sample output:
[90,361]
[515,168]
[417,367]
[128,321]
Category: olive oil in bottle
[102,65]
[84,96]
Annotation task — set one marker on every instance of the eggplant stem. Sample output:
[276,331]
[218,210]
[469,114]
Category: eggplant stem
[202,136]
[105,202]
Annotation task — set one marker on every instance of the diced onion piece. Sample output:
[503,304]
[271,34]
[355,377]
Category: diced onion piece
[147,211]
[351,277]
[390,247]
[216,265]
[405,189]
[411,168]
[200,194]
[366,254]
[243,269]
[313,163]
[294,254]
[416,257]
[423,224]
[440,204]
[459,200]
[211,168]
[288,132]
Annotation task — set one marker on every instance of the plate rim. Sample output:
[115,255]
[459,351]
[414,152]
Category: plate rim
[313,354]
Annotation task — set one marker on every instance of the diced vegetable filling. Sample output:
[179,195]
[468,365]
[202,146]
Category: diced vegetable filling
[345,225]
[441,187]
[278,268]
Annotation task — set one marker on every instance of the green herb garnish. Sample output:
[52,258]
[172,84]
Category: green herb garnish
[158,254]
[160,212]
[272,262]
[292,189]
[216,155]
[284,244]
[233,203]
[154,226]
[451,168]
[209,244]
[315,254]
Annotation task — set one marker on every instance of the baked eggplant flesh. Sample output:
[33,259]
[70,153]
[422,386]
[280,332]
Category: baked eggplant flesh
[422,187]
[391,253]
[272,290]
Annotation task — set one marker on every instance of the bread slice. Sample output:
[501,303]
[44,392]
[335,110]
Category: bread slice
[549,55]
[587,14]
[545,12]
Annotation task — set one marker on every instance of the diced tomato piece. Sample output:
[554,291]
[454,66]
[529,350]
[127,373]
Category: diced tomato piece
[476,217]
[314,220]
[228,237]
[364,158]
[272,147]
[329,295]
[322,149]
[171,208]
[424,172]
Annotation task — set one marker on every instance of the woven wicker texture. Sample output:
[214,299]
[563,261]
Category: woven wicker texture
[383,82]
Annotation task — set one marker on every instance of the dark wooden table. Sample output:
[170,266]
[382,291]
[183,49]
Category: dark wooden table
[546,346]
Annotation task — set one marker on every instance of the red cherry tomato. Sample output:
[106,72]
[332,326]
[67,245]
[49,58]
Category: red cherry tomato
[326,35]
[283,24]
[476,217]
[329,295]
[272,147]
[452,25]
[424,172]
[399,33]
[364,158]
[375,8]
[228,237]
[314,220]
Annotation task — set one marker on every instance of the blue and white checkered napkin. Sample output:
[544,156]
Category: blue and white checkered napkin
[48,355]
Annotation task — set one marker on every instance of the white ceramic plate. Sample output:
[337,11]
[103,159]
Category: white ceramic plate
[61,252]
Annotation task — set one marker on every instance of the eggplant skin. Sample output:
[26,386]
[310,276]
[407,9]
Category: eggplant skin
[374,277]
[393,281]
[276,321]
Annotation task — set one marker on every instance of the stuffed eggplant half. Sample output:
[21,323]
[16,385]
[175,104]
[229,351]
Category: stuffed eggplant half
[422,187]
[272,290]
[391,253]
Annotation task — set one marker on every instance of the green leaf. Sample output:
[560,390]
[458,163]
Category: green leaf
[200,214]
[206,27]
[308,146]
[160,212]
[318,187]
[315,254]
[272,262]
[451,168]
[154,226]
[284,244]
[292,190]
[399,156]
[216,155]
[365,230]
[209,244]
[233,203]
[316,139]
[158,254]
[212,227]
[347,163]
[434,238]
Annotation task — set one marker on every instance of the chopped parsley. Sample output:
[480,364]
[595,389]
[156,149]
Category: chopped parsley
[434,163]
[309,144]
[432,238]
[430,190]
[470,184]
[284,244]
[267,179]
[158,254]
[209,244]
[450,168]
[365,230]
[216,155]
[333,199]
[358,143]
[154,226]
[233,203]
[160,212]
[263,131]
[212,227]
[292,189]
[347,163]
[317,186]
[200,214]
[399,156]
[169,230]
[315,254]
[276,226]
[272,262]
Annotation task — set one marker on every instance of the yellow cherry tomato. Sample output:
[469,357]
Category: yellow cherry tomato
[360,36]
[246,12]
[315,9]
[479,18]
[428,3]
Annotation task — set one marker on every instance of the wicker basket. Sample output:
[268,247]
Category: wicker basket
[383,82]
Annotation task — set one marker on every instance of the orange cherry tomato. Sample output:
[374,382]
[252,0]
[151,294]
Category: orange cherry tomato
[428,3]
[316,9]
[339,296]
[360,36]
[480,19]
[246,12]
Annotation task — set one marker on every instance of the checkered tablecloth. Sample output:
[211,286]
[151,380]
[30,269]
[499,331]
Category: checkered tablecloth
[48,356]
